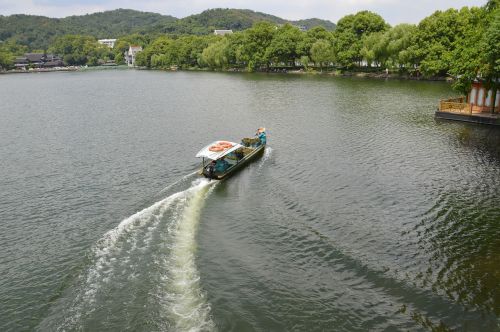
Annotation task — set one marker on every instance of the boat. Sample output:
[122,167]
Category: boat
[221,159]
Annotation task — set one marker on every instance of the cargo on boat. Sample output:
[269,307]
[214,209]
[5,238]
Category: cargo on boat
[223,158]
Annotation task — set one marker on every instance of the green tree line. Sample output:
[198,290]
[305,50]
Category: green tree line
[461,43]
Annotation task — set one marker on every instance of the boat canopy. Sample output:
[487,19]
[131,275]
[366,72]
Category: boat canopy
[214,155]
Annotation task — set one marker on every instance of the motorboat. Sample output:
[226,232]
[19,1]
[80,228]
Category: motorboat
[220,159]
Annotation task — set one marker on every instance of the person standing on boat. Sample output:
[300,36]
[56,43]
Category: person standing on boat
[261,133]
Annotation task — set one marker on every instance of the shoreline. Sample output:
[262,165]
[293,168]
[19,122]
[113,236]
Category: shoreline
[40,70]
[335,73]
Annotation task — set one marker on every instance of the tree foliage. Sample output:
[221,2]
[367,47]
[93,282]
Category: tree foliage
[80,50]
[322,53]
[216,55]
[283,46]
[462,43]
[256,40]
[477,54]
[6,59]
[349,34]
[8,51]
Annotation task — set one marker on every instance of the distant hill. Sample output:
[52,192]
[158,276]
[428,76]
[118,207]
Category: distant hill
[234,19]
[116,22]
[38,32]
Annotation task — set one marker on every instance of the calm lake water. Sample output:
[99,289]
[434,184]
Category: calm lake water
[364,214]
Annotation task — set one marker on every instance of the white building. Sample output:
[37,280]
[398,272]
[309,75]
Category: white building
[131,54]
[222,32]
[108,42]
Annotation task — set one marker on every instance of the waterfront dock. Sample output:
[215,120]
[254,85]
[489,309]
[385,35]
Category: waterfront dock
[458,110]
[481,105]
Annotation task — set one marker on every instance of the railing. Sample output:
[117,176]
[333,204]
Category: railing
[455,100]
[455,106]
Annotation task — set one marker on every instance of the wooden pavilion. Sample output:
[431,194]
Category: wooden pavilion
[479,106]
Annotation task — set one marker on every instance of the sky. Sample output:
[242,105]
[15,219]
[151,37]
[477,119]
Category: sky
[393,11]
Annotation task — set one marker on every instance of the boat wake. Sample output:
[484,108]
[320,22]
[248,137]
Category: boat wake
[267,154]
[181,180]
[148,260]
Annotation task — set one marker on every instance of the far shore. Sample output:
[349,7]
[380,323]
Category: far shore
[336,73]
[40,70]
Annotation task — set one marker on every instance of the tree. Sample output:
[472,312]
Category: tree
[8,50]
[216,54]
[322,53]
[6,60]
[236,41]
[491,56]
[467,56]
[254,46]
[398,39]
[80,50]
[349,34]
[304,61]
[477,54]
[438,35]
[310,37]
[13,46]
[162,50]
[347,49]
[374,49]
[190,48]
[283,47]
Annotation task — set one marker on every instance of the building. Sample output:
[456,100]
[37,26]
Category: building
[131,54]
[222,32]
[481,105]
[481,100]
[38,60]
[302,28]
[108,42]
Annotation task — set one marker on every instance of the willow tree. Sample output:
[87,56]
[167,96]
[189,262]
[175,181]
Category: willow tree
[215,55]
[322,53]
[349,34]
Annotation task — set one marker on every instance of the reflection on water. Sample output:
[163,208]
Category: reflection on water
[365,213]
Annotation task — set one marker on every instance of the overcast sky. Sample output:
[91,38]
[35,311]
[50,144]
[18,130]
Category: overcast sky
[393,11]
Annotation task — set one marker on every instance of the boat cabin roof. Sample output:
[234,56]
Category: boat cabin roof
[214,155]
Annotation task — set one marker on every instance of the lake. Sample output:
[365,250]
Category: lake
[364,214]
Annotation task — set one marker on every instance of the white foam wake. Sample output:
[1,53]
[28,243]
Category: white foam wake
[187,308]
[267,154]
[182,179]
[186,302]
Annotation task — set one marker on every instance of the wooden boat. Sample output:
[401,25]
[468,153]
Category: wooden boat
[220,159]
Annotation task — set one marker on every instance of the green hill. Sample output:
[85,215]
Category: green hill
[116,22]
[234,19]
[37,32]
